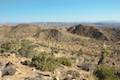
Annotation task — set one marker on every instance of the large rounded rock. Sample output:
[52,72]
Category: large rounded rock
[9,69]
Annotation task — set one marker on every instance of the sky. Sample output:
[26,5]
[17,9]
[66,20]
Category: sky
[59,10]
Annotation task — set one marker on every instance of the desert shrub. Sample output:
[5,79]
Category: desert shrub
[24,47]
[64,61]
[106,50]
[27,49]
[44,62]
[47,62]
[2,50]
[10,46]
[104,72]
[26,43]
[6,46]
[25,52]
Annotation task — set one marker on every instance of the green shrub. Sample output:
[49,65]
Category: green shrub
[44,62]
[64,61]
[24,48]
[10,46]
[106,51]
[2,50]
[47,62]
[26,52]
[104,72]
[26,43]
[27,48]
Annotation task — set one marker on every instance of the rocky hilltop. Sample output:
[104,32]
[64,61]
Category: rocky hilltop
[95,32]
[79,52]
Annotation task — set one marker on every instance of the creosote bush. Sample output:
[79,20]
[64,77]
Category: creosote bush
[104,72]
[47,62]
[24,48]
[10,46]
[44,62]
[27,49]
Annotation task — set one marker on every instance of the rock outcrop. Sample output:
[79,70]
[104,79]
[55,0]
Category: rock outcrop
[49,34]
[88,31]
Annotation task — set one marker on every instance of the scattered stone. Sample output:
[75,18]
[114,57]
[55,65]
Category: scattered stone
[87,67]
[26,62]
[34,78]
[118,74]
[69,77]
[56,78]
[84,66]
[75,74]
[45,74]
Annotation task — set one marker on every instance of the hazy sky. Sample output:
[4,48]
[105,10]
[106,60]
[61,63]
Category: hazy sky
[59,10]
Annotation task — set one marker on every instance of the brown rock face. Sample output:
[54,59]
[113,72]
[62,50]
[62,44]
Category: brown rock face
[52,34]
[88,31]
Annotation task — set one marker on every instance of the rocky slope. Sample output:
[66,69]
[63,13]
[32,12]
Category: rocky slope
[96,32]
[74,53]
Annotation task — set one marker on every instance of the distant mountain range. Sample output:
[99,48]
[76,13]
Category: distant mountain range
[69,24]
[108,24]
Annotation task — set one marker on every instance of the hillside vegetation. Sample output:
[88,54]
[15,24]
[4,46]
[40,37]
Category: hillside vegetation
[79,52]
